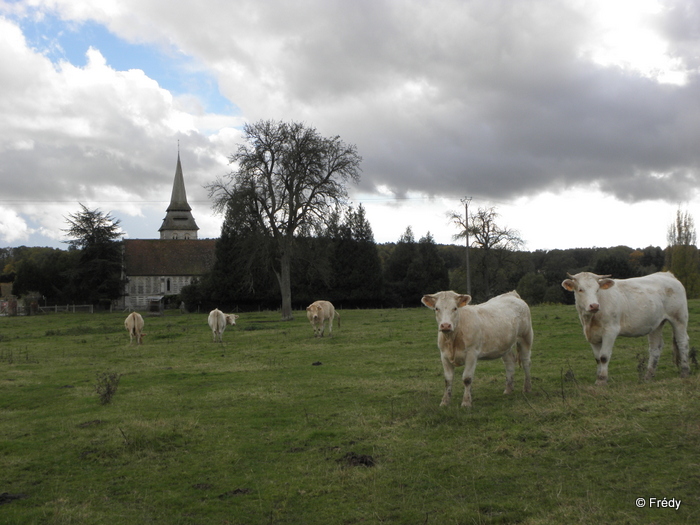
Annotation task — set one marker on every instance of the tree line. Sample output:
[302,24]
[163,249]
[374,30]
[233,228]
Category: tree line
[289,237]
[345,266]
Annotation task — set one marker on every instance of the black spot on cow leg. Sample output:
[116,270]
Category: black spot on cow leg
[468,381]
[603,360]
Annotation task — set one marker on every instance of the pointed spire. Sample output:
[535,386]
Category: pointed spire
[178,222]
[178,198]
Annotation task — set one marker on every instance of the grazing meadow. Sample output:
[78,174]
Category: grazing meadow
[275,426]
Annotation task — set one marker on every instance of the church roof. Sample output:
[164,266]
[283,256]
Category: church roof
[178,216]
[169,257]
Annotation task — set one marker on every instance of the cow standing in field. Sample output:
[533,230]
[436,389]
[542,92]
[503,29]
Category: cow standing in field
[318,313]
[608,308]
[134,325]
[218,322]
[467,333]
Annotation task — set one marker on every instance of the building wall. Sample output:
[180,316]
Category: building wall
[140,288]
[178,234]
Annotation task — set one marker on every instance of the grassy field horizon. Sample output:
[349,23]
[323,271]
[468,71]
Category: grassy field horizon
[276,426]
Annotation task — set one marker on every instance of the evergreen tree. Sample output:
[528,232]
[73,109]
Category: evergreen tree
[355,262]
[97,276]
[396,269]
[427,272]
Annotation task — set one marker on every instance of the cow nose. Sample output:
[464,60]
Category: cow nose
[594,307]
[445,327]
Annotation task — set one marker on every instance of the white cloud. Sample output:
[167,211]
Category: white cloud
[13,228]
[499,100]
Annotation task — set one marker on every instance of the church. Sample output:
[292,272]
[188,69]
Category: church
[155,268]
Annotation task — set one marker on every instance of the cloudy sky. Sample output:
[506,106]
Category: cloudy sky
[579,120]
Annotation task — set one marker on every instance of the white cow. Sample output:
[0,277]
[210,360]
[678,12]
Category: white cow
[484,331]
[134,325]
[218,321]
[633,307]
[318,313]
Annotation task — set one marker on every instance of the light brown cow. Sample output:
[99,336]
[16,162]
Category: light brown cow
[483,331]
[318,313]
[134,325]
[218,322]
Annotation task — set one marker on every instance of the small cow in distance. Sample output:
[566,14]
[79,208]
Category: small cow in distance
[467,333]
[608,308]
[134,325]
[318,313]
[218,321]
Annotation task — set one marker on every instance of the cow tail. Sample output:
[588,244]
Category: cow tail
[676,353]
[338,316]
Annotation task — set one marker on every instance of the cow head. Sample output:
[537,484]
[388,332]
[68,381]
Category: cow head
[231,318]
[312,312]
[446,306]
[585,286]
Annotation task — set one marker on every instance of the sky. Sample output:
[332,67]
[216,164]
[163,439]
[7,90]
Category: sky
[578,120]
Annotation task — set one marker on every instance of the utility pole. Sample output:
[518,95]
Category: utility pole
[466,201]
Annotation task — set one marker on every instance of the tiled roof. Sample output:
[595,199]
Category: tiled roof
[169,257]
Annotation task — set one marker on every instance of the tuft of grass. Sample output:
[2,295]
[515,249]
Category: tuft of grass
[106,386]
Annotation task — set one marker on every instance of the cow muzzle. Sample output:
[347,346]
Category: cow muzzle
[593,308]
[445,327]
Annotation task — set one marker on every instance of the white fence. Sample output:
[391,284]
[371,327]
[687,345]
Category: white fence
[10,308]
[88,308]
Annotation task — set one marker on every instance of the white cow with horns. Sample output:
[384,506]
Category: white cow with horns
[467,333]
[633,307]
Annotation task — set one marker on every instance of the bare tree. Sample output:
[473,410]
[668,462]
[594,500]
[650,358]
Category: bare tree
[288,179]
[682,256]
[493,240]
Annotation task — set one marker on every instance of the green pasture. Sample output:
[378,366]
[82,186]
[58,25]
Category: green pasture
[277,427]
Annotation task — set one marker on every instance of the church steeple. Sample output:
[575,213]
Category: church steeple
[178,222]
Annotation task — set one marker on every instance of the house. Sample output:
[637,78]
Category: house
[154,268]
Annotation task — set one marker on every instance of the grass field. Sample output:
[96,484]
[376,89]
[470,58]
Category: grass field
[275,426]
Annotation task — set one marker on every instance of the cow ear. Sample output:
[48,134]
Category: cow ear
[605,283]
[463,300]
[236,316]
[429,301]
[569,284]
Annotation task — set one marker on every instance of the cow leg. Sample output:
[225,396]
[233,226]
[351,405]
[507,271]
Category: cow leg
[680,347]
[524,350]
[449,370]
[509,360]
[656,344]
[467,378]
[602,353]
[330,327]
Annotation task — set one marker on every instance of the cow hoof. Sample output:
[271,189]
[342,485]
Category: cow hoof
[466,405]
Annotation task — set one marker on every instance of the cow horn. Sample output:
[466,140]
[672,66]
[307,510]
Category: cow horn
[570,276]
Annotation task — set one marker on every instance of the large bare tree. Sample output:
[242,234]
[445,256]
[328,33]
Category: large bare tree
[288,178]
[495,241]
